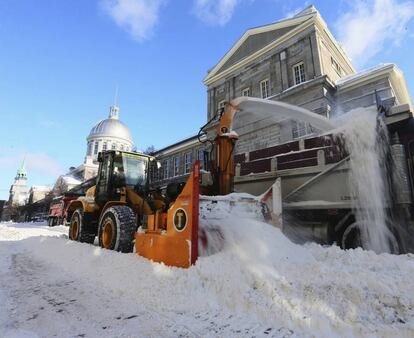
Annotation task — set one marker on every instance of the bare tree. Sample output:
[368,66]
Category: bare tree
[60,187]
[150,150]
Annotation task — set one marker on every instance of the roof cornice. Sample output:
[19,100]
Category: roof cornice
[306,21]
[338,50]
[302,21]
[177,146]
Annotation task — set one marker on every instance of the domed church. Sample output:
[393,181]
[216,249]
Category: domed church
[107,134]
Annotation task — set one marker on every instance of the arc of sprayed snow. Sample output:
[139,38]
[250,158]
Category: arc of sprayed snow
[281,109]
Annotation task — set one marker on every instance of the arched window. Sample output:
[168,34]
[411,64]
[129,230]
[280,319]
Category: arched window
[95,150]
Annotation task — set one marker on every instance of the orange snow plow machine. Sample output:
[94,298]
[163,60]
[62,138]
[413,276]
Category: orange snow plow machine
[124,211]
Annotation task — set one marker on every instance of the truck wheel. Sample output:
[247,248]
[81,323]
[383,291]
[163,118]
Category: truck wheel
[346,232]
[77,231]
[351,238]
[117,229]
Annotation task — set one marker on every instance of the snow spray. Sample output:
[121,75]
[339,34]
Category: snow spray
[366,140]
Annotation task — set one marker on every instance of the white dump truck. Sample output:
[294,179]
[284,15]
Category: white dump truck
[318,195]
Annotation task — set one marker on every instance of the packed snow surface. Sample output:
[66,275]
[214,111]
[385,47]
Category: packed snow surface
[258,284]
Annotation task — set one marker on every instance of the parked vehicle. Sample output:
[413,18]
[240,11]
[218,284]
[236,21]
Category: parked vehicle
[59,208]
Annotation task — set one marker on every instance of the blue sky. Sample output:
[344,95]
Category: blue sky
[62,60]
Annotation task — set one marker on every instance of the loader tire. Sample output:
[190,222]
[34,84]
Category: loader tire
[117,229]
[77,228]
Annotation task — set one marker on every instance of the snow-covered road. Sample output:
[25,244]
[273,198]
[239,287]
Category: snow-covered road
[259,285]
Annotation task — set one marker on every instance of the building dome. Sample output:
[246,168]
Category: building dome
[111,128]
[108,134]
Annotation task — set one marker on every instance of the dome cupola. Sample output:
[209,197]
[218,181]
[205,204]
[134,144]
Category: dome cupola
[108,134]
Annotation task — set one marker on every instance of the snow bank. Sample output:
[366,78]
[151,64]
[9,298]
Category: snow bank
[19,231]
[323,291]
[258,278]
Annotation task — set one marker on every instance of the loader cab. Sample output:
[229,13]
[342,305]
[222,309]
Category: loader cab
[117,170]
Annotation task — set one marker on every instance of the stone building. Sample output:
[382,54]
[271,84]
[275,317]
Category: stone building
[38,192]
[295,60]
[360,90]
[177,161]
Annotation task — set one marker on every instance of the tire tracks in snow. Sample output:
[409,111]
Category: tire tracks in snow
[47,302]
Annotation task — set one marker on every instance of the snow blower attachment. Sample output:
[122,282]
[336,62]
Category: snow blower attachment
[172,238]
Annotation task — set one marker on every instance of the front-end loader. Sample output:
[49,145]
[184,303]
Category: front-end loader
[121,210]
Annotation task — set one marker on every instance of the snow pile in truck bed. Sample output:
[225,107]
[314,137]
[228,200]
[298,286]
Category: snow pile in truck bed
[259,284]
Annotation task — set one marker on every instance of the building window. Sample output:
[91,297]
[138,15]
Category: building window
[200,157]
[299,73]
[90,144]
[113,147]
[264,89]
[122,147]
[104,146]
[188,162]
[246,92]
[95,150]
[154,173]
[300,129]
[176,165]
[166,168]
[336,66]
[222,104]
[160,172]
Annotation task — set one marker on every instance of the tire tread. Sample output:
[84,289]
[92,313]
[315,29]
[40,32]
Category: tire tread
[127,227]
